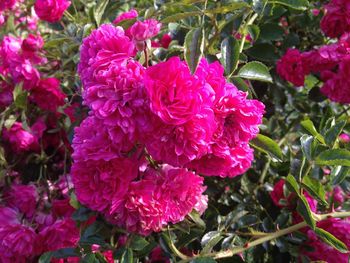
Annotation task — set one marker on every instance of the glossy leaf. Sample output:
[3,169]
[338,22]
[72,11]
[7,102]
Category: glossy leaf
[334,157]
[339,174]
[194,42]
[331,240]
[229,54]
[333,133]
[127,256]
[267,145]
[295,4]
[309,126]
[256,71]
[99,10]
[314,188]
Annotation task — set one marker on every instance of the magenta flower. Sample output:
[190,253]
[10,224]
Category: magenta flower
[48,95]
[344,138]
[51,10]
[143,30]
[337,18]
[104,44]
[19,139]
[126,16]
[24,198]
[6,4]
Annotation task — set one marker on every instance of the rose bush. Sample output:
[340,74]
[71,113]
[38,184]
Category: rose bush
[174,131]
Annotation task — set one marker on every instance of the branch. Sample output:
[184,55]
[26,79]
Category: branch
[269,237]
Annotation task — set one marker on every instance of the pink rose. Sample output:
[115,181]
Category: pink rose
[126,16]
[143,30]
[51,10]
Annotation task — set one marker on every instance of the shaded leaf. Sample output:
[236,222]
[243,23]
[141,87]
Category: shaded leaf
[179,16]
[339,174]
[229,54]
[307,146]
[314,188]
[138,243]
[333,133]
[194,44]
[309,126]
[295,4]
[127,256]
[99,10]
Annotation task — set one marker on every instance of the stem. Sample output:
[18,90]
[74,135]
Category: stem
[250,22]
[269,237]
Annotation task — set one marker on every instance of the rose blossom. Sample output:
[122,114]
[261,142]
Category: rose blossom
[19,139]
[24,198]
[47,94]
[126,16]
[143,30]
[51,10]
[103,45]
[344,138]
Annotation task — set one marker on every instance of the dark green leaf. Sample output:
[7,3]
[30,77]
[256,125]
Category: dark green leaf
[333,133]
[138,243]
[334,157]
[331,240]
[304,210]
[194,44]
[271,32]
[209,240]
[307,146]
[90,258]
[267,145]
[295,4]
[314,188]
[292,184]
[339,174]
[229,54]
[65,253]
[309,126]
[264,52]
[203,260]
[20,97]
[99,10]
[46,257]
[226,9]
[254,31]
[127,256]
[177,17]
[255,70]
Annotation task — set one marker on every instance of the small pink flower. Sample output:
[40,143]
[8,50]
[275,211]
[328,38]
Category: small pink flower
[315,11]
[19,139]
[344,138]
[143,30]
[24,198]
[51,10]
[47,94]
[126,16]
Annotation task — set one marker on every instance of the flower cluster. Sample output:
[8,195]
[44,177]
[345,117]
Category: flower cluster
[331,62]
[314,248]
[28,228]
[152,130]
[336,21]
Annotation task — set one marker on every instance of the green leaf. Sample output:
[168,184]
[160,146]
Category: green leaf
[194,44]
[229,54]
[333,133]
[227,8]
[255,70]
[209,240]
[46,257]
[295,4]
[339,174]
[309,126]
[304,210]
[138,243]
[264,51]
[127,256]
[307,146]
[90,258]
[254,31]
[65,253]
[99,10]
[314,188]
[331,240]
[20,97]
[179,16]
[267,145]
[334,157]
[271,32]
[292,184]
[203,260]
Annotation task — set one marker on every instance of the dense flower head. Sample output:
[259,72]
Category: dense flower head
[62,233]
[7,4]
[92,141]
[344,137]
[336,21]
[118,98]
[99,183]
[162,196]
[47,94]
[176,96]
[337,85]
[316,250]
[143,30]
[51,10]
[20,139]
[24,198]
[291,67]
[18,243]
[108,40]
[126,16]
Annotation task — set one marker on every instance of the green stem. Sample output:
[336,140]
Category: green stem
[250,22]
[269,237]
